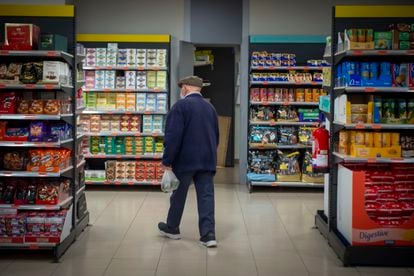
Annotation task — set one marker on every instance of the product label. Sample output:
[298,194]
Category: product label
[386,235]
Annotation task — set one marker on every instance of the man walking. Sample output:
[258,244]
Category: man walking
[190,150]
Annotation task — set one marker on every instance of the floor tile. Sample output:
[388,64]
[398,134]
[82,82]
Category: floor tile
[20,268]
[231,266]
[383,271]
[169,267]
[79,267]
[128,268]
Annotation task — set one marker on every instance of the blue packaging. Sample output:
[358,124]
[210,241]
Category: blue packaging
[377,110]
[338,77]
[385,78]
[365,73]
[352,74]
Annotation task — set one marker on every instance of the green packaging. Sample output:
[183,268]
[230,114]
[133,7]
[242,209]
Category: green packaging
[410,111]
[51,42]
[404,45]
[382,35]
[402,110]
[388,111]
[404,36]
[377,109]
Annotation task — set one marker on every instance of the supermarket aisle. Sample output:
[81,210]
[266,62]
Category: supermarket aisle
[259,234]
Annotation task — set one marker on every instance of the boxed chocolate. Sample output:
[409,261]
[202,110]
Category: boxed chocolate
[89,79]
[151,79]
[122,57]
[131,57]
[141,57]
[141,80]
[120,82]
[162,58]
[158,123]
[55,72]
[53,42]
[100,56]
[161,102]
[21,36]
[90,59]
[400,74]
[151,103]
[161,80]
[110,79]
[147,123]
[131,79]
[141,101]
[99,79]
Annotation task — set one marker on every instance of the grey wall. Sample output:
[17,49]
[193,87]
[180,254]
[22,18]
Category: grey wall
[215,21]
[135,17]
[33,2]
[300,16]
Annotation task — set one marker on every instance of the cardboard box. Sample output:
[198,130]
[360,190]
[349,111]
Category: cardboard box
[400,75]
[383,40]
[141,80]
[161,80]
[50,42]
[90,59]
[122,57]
[130,102]
[372,152]
[411,75]
[151,103]
[131,57]
[141,57]
[89,79]
[111,57]
[100,56]
[351,45]
[141,101]
[120,101]
[99,79]
[21,36]
[54,72]
[130,78]
[110,79]
[120,82]
[162,58]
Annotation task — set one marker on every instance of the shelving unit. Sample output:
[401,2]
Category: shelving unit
[98,161]
[314,46]
[346,197]
[60,20]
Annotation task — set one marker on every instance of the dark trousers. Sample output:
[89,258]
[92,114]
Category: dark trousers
[203,181]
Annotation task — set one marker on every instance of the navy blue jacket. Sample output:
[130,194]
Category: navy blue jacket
[191,136]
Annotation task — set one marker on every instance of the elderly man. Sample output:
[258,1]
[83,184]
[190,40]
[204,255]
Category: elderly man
[190,150]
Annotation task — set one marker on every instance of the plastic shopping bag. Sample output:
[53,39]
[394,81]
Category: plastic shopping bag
[169,181]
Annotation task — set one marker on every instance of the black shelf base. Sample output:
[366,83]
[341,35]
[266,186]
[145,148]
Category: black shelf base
[398,256]
[82,224]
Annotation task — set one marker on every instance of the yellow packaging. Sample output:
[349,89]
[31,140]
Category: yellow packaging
[360,138]
[370,111]
[120,101]
[369,139]
[101,101]
[343,137]
[300,95]
[378,139]
[308,95]
[366,152]
[386,139]
[395,139]
[322,92]
[348,112]
[352,137]
[130,102]
[111,101]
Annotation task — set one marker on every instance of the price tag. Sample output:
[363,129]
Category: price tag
[130,183]
[265,103]
[155,183]
[137,134]
[306,68]
[156,68]
[125,68]
[107,90]
[147,113]
[369,89]
[118,156]
[51,53]
[274,184]
[272,123]
[289,68]
[141,68]
[7,173]
[382,52]
[4,52]
[117,182]
[357,53]
[129,90]
[49,86]
[2,85]
[109,68]
[18,143]
[410,52]
[33,246]
[29,86]
[360,126]
[286,103]
[265,82]
[376,126]
[372,160]
[397,159]
[157,90]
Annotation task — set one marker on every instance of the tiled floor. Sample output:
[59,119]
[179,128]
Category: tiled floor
[264,233]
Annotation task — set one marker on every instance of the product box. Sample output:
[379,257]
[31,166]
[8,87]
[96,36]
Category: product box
[120,101]
[111,57]
[100,56]
[147,123]
[141,57]
[343,109]
[151,103]
[120,82]
[131,79]
[382,40]
[355,44]
[411,75]
[130,102]
[141,101]
[99,79]
[161,80]
[54,72]
[351,73]
[90,59]
[122,57]
[161,103]
[151,79]
[141,80]
[21,36]
[380,75]
[91,99]
[131,57]
[51,42]
[373,152]
[157,123]
[161,58]
[400,74]
[89,79]
[101,101]
[110,79]
[362,220]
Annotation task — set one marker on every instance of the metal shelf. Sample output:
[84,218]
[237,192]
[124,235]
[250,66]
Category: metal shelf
[293,83]
[287,184]
[286,103]
[123,90]
[66,88]
[371,53]
[81,163]
[374,126]
[126,68]
[38,53]
[155,134]
[123,156]
[363,89]
[278,146]
[122,183]
[284,68]
[33,174]
[33,117]
[122,112]
[350,159]
[61,205]
[284,123]
[34,144]
[80,191]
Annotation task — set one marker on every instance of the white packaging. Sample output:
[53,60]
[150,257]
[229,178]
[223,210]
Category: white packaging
[111,57]
[141,101]
[142,80]
[120,82]
[131,57]
[130,79]
[90,59]
[112,46]
[54,72]
[99,79]
[110,79]
[340,107]
[141,57]
[162,58]
[151,58]
[122,57]
[90,79]
[147,123]
[151,103]
[161,102]
[157,123]
[100,56]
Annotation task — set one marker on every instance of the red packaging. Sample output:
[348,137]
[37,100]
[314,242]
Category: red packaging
[8,103]
[263,94]
[371,193]
[411,72]
[387,197]
[35,223]
[254,95]
[54,223]
[21,36]
[271,95]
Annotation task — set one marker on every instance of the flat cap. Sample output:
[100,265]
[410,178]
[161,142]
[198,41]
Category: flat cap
[191,80]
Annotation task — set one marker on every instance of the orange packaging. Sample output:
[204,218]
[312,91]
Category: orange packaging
[386,139]
[369,139]
[395,139]
[300,95]
[378,140]
[308,95]
[315,95]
